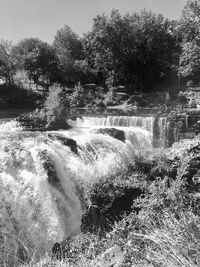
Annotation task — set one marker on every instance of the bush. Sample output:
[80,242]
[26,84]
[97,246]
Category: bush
[80,97]
[56,103]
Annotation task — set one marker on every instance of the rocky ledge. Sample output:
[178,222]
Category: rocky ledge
[115,133]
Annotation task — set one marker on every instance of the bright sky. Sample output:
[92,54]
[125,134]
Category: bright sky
[42,18]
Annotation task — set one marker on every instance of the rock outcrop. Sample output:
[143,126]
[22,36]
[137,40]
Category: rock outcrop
[49,166]
[65,141]
[108,206]
[33,120]
[37,121]
[115,133]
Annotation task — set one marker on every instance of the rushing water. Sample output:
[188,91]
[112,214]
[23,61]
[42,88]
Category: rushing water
[41,178]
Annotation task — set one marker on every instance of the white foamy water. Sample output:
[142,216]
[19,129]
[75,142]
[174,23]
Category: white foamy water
[138,130]
[41,179]
[10,126]
[145,123]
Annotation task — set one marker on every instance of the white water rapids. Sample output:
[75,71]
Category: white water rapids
[41,179]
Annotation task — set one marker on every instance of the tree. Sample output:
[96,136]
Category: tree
[190,60]
[7,62]
[189,27]
[23,48]
[190,21]
[37,58]
[56,104]
[134,49]
[68,49]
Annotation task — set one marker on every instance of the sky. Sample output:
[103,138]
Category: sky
[42,18]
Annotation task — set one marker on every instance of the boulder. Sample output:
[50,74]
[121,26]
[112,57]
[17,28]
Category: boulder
[57,124]
[65,141]
[93,220]
[115,133]
[108,205]
[49,166]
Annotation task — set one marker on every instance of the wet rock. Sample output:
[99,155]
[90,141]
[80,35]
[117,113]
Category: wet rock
[93,220]
[33,119]
[112,257]
[115,133]
[57,125]
[37,121]
[48,165]
[122,204]
[65,141]
[108,205]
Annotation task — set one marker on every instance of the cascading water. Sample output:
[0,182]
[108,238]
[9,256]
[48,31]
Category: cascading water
[138,130]
[162,126]
[120,121]
[42,178]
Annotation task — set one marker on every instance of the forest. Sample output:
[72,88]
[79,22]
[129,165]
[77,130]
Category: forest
[139,52]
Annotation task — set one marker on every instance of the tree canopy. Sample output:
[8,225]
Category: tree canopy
[189,26]
[143,51]
[132,49]
[37,58]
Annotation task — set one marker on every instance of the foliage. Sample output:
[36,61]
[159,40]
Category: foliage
[56,103]
[189,28]
[37,58]
[190,21]
[124,49]
[68,49]
[190,60]
[79,97]
[7,61]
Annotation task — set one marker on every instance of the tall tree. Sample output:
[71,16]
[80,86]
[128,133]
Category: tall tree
[68,49]
[189,27]
[190,21]
[190,60]
[37,58]
[7,62]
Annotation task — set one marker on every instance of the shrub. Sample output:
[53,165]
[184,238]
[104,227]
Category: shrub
[56,103]
[81,97]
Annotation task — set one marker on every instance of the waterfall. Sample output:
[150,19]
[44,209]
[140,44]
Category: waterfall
[43,178]
[138,130]
[10,126]
[162,126]
[145,123]
[186,122]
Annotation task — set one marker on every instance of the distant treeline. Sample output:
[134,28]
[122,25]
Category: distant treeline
[142,51]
